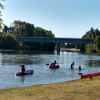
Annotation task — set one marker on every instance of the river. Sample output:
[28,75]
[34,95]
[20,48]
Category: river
[10,62]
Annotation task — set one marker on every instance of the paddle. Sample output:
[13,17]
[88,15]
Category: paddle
[50,64]
[80,73]
[47,64]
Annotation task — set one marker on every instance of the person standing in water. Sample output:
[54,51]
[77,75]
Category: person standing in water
[79,68]
[72,65]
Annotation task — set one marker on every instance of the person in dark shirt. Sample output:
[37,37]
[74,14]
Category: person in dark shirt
[55,62]
[79,68]
[23,70]
[72,65]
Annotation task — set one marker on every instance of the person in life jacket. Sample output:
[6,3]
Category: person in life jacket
[23,70]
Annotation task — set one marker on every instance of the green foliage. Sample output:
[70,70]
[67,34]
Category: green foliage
[1,7]
[90,48]
[5,29]
[95,35]
[97,43]
[92,33]
[22,28]
[7,41]
[19,28]
[40,32]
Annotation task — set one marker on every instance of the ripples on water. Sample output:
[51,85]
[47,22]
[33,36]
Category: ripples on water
[10,62]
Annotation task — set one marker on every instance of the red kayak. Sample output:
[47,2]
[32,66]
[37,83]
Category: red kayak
[54,66]
[89,75]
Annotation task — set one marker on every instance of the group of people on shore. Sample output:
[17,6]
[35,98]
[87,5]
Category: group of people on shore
[72,66]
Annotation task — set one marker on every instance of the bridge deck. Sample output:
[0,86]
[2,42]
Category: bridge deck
[55,40]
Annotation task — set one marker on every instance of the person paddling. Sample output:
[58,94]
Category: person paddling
[23,70]
[72,65]
[55,63]
[79,68]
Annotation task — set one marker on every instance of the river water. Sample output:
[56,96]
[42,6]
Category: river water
[10,62]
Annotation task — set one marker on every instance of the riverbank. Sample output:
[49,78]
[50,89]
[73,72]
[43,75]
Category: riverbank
[85,89]
[71,49]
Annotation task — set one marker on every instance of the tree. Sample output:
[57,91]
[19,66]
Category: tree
[97,32]
[97,42]
[5,29]
[91,34]
[20,28]
[40,32]
[95,35]
[1,7]
[7,41]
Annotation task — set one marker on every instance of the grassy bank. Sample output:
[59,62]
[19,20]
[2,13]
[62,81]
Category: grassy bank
[85,89]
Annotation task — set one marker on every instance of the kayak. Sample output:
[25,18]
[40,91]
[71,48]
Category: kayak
[89,75]
[54,67]
[28,72]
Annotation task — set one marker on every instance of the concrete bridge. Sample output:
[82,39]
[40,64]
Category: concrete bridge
[58,41]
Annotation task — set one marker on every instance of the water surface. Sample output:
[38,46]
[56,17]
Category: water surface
[10,64]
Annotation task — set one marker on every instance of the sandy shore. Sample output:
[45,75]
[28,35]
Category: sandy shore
[84,89]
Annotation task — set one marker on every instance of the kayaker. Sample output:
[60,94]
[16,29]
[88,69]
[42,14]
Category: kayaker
[72,65]
[51,65]
[23,70]
[79,68]
[55,62]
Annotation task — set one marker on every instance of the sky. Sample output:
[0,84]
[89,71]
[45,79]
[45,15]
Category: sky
[65,18]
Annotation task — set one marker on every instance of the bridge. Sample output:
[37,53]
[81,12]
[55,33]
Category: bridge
[58,41]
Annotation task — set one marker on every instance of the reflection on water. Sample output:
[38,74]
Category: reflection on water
[22,79]
[94,63]
[10,62]
[23,52]
[20,59]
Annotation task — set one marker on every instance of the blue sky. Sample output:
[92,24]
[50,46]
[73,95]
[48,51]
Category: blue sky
[65,18]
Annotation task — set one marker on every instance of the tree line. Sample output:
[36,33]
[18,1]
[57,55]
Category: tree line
[95,35]
[21,28]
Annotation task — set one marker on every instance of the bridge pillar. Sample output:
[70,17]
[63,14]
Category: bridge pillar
[62,46]
[58,48]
